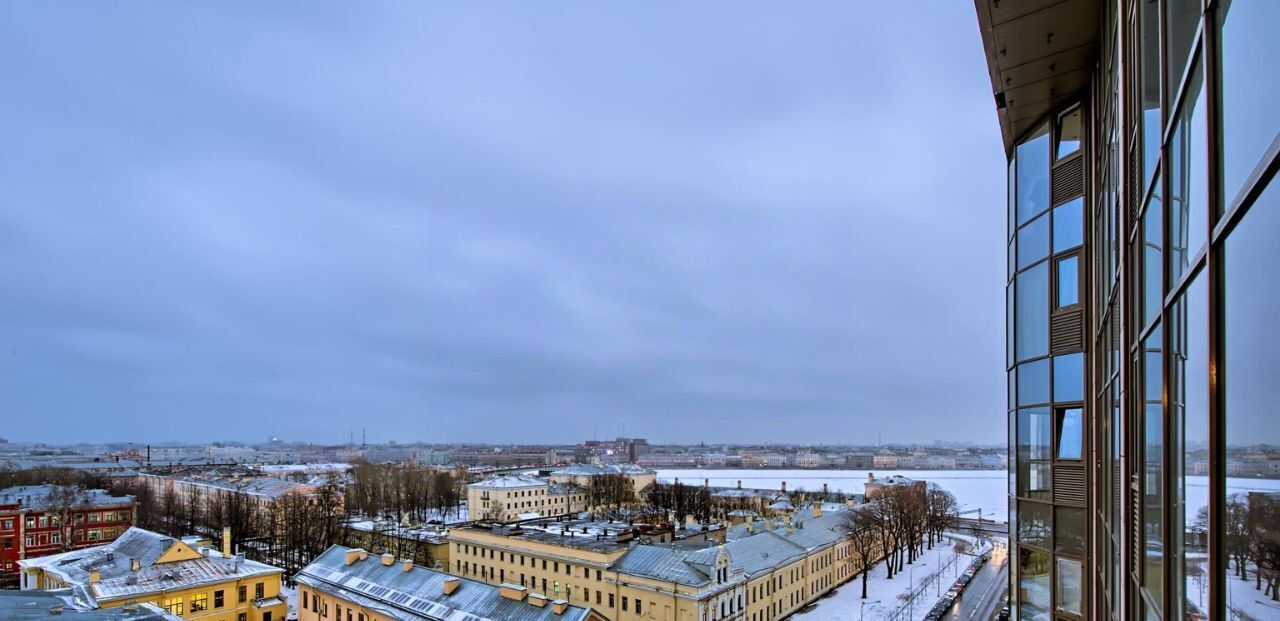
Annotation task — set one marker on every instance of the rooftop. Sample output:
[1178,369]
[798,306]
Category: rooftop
[418,594]
[45,496]
[41,605]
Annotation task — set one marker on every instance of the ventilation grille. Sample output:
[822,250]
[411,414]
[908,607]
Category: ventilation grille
[1066,330]
[1068,484]
[1068,180]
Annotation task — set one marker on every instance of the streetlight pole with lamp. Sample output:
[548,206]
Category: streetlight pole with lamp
[862,608]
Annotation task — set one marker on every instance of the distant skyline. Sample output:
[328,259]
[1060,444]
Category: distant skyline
[499,223]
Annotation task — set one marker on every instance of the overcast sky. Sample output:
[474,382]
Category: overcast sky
[503,222]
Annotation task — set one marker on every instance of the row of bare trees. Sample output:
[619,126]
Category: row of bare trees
[418,493]
[1253,539]
[898,526]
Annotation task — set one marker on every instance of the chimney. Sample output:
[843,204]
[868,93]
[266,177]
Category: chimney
[739,483]
[363,554]
[871,477]
[706,482]
[559,606]
[352,556]
[388,559]
[537,599]
[94,577]
[451,585]
[824,490]
[135,565]
[751,528]
[784,487]
[817,509]
[407,564]
[226,541]
[512,592]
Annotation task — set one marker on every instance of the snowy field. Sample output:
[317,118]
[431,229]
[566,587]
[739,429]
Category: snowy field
[974,489]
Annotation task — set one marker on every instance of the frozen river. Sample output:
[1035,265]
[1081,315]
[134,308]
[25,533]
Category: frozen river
[974,489]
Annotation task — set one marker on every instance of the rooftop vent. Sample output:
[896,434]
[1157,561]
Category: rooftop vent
[451,585]
[353,556]
[538,600]
[407,564]
[559,606]
[512,592]
[388,559]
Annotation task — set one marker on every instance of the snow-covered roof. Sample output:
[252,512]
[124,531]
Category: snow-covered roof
[45,496]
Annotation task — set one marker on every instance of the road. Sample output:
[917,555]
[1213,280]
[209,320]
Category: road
[984,596]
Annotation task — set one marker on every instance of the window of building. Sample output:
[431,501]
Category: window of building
[1249,89]
[244,616]
[1068,225]
[1034,523]
[1032,312]
[199,602]
[639,606]
[624,603]
[1153,469]
[1069,133]
[1068,378]
[1032,185]
[1070,594]
[1070,433]
[1067,270]
[1069,530]
[1033,382]
[242,593]
[611,600]
[258,590]
[1149,23]
[1033,242]
[173,604]
[1033,584]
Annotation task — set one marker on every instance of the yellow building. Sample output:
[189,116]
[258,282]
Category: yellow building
[349,584]
[146,567]
[766,570]
[509,497]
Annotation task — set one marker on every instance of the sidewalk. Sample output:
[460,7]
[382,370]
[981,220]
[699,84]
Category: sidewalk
[885,597]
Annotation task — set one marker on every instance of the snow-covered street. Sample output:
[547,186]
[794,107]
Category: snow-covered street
[929,577]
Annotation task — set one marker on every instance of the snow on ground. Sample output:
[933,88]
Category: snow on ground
[291,596]
[974,489]
[1245,603]
[937,569]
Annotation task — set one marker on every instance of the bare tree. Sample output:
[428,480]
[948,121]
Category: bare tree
[863,532]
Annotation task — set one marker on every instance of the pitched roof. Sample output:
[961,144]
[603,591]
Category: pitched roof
[117,579]
[418,594]
[45,496]
[40,605]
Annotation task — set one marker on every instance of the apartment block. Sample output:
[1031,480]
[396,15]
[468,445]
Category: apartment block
[38,520]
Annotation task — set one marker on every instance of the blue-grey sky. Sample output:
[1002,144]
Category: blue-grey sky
[720,221]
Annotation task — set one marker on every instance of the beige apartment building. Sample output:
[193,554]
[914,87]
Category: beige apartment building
[513,497]
[765,570]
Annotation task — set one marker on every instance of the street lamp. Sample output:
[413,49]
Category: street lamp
[863,607]
[911,602]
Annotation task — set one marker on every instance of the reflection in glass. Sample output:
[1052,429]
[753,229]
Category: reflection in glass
[1070,433]
[1068,134]
[1068,281]
[1152,283]
[1032,312]
[1153,471]
[1033,523]
[1069,530]
[1033,585]
[1069,591]
[1033,434]
[1150,61]
[1068,378]
[1188,181]
[1068,225]
[1033,241]
[1032,184]
[1189,399]
[1250,89]
[1033,382]
[1008,325]
[1182,17]
[1251,381]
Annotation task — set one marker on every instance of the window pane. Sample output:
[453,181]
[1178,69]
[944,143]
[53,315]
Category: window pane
[1069,530]
[1153,285]
[1032,329]
[1182,18]
[1153,479]
[1033,585]
[1250,89]
[1188,182]
[1189,399]
[1033,241]
[1068,134]
[1070,433]
[1250,385]
[1033,382]
[1033,174]
[1068,281]
[1033,434]
[1011,199]
[1150,25]
[1033,523]
[1068,225]
[1008,326]
[1069,591]
[1068,378]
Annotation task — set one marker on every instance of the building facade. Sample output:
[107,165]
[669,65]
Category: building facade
[38,520]
[1142,140]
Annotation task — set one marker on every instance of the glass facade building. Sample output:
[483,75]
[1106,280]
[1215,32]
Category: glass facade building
[1143,305]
